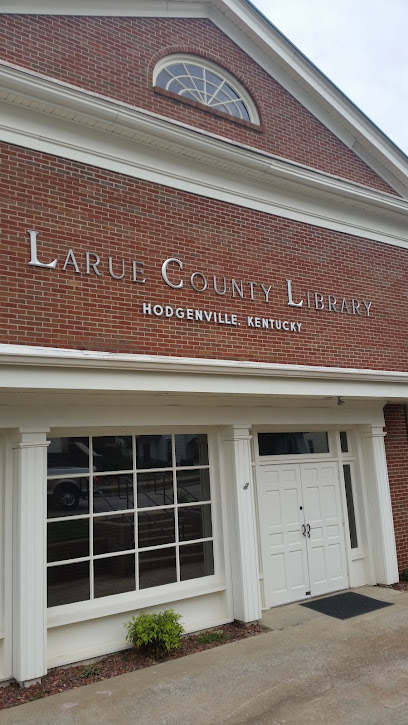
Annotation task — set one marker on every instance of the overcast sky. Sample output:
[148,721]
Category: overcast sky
[361,45]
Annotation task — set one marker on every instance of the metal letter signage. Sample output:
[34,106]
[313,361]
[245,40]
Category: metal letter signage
[34,258]
[237,289]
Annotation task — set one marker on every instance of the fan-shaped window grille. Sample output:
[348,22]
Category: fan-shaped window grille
[203,82]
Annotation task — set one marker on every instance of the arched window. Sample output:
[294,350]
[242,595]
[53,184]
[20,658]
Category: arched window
[204,82]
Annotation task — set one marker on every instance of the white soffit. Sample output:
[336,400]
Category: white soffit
[270,49]
[54,369]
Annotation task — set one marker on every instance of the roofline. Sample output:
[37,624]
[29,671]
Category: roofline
[367,135]
[326,78]
[248,27]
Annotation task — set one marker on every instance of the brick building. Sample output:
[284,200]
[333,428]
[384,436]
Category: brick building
[203,314]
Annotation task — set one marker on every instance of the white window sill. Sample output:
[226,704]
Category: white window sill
[131,601]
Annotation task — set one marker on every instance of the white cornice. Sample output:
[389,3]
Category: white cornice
[57,118]
[50,357]
[105,8]
[272,51]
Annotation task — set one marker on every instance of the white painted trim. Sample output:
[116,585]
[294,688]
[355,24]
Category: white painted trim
[7,541]
[263,42]
[35,91]
[105,8]
[29,556]
[47,95]
[61,357]
[380,508]
[131,601]
[57,118]
[238,478]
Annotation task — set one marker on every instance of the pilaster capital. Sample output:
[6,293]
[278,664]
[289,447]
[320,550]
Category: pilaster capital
[27,437]
[374,432]
[238,432]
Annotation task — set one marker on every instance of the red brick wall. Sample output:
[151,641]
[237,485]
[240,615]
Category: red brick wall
[396,445]
[72,205]
[116,57]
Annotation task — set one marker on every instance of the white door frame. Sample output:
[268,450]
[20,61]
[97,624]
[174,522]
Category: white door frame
[302,568]
[354,558]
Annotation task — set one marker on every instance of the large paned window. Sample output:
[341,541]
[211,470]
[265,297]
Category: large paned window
[126,513]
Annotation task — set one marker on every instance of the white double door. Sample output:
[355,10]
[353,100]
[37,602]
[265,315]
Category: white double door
[302,531]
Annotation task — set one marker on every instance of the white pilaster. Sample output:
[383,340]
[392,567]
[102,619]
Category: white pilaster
[380,510]
[29,556]
[243,540]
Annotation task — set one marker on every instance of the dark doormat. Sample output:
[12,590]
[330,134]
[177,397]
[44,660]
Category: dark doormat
[345,605]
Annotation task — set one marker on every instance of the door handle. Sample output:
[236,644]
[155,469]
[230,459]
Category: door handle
[308,531]
[303,530]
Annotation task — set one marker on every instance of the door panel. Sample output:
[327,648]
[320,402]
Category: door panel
[284,552]
[325,547]
[291,497]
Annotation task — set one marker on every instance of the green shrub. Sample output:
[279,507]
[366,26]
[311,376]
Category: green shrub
[156,633]
[91,670]
[216,635]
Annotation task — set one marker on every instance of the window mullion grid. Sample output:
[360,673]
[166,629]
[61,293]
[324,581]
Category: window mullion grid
[158,547]
[192,79]
[109,554]
[91,558]
[215,92]
[135,514]
[59,519]
[81,475]
[191,542]
[176,527]
[189,504]
[228,103]
[78,560]
[113,512]
[206,96]
[182,83]
[169,468]
[90,501]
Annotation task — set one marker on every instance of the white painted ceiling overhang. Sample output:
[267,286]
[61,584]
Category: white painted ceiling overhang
[55,370]
[263,42]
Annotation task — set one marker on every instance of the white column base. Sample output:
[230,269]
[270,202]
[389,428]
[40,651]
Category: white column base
[28,683]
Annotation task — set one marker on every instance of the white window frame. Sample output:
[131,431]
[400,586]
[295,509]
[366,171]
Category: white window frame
[136,599]
[230,79]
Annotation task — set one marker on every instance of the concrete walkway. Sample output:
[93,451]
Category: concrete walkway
[310,669]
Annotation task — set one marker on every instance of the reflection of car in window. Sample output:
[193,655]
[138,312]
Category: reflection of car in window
[67,459]
[65,492]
